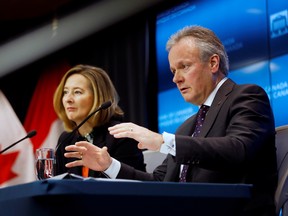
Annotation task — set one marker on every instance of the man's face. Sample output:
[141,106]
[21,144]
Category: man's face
[193,78]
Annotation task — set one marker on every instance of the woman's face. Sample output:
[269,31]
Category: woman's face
[77,98]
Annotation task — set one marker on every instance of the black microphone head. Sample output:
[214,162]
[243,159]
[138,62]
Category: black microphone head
[106,105]
[31,133]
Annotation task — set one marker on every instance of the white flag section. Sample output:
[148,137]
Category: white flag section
[17,163]
[53,134]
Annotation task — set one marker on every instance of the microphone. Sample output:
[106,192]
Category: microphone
[29,135]
[101,107]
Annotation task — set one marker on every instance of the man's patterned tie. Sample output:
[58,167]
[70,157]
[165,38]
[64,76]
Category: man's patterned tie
[199,122]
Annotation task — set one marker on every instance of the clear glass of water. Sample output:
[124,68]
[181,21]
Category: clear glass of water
[44,162]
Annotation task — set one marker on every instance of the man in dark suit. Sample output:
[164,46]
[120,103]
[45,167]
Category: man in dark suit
[236,143]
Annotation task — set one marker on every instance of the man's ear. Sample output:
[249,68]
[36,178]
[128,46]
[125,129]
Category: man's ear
[214,62]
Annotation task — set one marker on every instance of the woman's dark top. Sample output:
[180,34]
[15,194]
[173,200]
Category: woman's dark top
[123,149]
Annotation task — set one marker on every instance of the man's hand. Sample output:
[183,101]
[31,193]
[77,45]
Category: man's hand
[147,139]
[89,155]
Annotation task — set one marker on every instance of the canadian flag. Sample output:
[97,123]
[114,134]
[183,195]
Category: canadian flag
[17,163]
[41,115]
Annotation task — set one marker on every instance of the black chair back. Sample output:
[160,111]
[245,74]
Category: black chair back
[281,195]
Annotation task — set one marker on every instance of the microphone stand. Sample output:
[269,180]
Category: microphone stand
[101,107]
[29,135]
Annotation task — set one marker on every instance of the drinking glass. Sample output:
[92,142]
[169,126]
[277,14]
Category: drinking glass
[44,162]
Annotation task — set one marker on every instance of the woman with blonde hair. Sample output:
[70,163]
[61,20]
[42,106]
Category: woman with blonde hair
[81,91]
